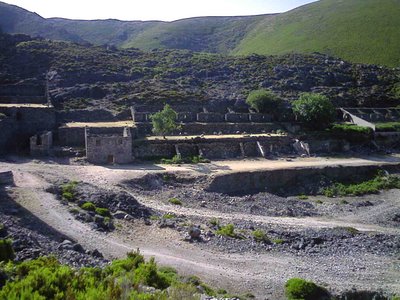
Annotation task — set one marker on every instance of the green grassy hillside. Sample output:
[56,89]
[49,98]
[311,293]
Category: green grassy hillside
[356,30]
[365,31]
[209,34]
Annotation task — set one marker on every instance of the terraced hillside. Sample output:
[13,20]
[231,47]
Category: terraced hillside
[82,76]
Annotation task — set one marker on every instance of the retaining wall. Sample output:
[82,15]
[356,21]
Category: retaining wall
[212,148]
[6,178]
[144,129]
[291,181]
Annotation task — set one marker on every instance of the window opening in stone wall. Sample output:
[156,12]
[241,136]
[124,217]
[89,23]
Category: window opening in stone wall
[120,141]
[98,142]
[110,159]
[38,140]
[18,116]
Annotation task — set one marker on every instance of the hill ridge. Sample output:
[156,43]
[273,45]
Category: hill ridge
[362,31]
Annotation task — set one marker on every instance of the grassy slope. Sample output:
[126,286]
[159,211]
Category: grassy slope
[357,30]
[210,34]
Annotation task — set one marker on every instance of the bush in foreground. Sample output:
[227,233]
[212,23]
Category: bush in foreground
[45,278]
[300,289]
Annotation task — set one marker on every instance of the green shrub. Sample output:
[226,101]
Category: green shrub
[260,236]
[175,201]
[103,212]
[68,191]
[177,160]
[214,222]
[298,288]
[373,186]
[6,250]
[278,241]
[388,127]
[68,196]
[352,132]
[350,230]
[264,101]
[315,110]
[227,230]
[90,206]
[302,197]
[168,216]
[164,122]
[148,274]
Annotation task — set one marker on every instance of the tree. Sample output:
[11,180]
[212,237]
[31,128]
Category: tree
[315,110]
[264,101]
[164,121]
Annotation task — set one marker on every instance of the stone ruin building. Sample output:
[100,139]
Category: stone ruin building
[109,148]
[41,144]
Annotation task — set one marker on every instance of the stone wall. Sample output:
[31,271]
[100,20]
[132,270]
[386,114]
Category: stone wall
[83,115]
[212,148]
[41,144]
[144,129]
[8,131]
[109,149]
[6,178]
[293,181]
[21,124]
[24,92]
[75,136]
[208,117]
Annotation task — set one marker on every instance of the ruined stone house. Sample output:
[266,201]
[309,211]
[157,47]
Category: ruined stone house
[109,148]
[41,143]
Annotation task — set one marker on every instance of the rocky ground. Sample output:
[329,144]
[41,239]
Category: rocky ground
[340,243]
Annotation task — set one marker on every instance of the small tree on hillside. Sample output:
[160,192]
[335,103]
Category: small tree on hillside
[315,110]
[164,121]
[264,101]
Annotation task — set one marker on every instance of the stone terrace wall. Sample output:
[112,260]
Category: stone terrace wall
[83,115]
[23,93]
[376,115]
[212,148]
[144,129]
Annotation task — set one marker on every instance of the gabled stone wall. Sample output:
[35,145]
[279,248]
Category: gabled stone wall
[109,149]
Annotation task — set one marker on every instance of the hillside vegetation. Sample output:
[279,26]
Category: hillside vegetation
[364,31]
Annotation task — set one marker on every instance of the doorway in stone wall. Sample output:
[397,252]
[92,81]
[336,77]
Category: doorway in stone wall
[110,159]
